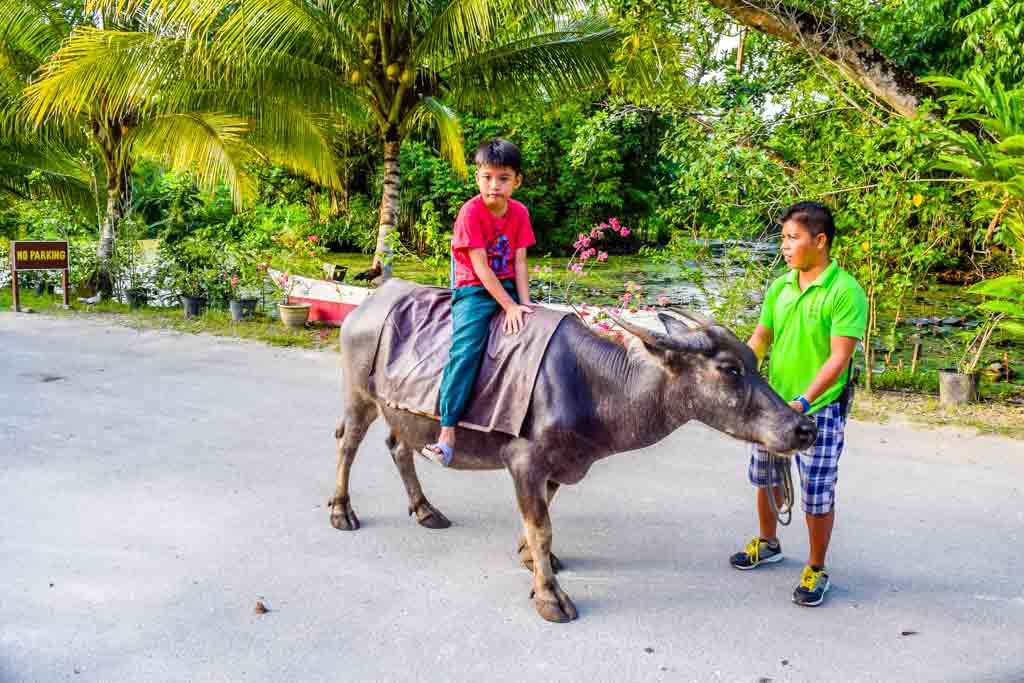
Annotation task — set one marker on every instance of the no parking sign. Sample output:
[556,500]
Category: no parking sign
[36,255]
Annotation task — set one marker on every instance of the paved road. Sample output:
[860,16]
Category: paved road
[154,486]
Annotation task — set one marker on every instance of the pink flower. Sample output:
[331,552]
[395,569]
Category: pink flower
[576,268]
[614,222]
[586,241]
[595,233]
[663,300]
[602,256]
[585,255]
[625,232]
[605,326]
[285,278]
[536,269]
[577,244]
[313,238]
[602,226]
[584,313]
[627,297]
[547,269]
[234,281]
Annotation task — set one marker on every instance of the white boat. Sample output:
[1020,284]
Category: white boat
[331,301]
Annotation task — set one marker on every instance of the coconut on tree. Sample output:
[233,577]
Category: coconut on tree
[407,64]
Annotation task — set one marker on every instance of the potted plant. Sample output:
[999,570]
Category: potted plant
[191,287]
[138,291]
[1004,308]
[240,305]
[959,385]
[293,314]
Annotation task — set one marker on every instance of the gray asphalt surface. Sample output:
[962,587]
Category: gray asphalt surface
[154,486]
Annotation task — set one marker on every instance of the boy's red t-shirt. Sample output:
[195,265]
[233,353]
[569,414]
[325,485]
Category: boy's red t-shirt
[478,228]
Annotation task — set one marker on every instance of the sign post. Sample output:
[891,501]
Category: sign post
[36,255]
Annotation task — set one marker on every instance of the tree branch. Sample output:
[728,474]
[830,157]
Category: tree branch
[860,61]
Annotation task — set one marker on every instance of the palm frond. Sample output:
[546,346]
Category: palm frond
[571,59]
[296,138]
[464,28]
[435,113]
[37,169]
[29,32]
[120,71]
[211,146]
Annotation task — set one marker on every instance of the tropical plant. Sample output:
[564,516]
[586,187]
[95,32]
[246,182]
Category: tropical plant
[1003,308]
[48,160]
[133,95]
[392,66]
[993,160]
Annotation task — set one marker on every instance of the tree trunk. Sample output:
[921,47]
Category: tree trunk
[118,205]
[110,136]
[858,60]
[384,256]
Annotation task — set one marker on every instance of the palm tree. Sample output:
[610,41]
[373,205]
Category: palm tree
[394,65]
[169,112]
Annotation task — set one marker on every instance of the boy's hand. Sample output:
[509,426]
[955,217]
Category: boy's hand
[515,318]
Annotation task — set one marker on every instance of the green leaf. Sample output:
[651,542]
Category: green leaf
[1013,327]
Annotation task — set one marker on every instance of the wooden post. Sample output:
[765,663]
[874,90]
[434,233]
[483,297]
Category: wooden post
[739,52]
[914,359]
[1006,364]
[64,285]
[14,288]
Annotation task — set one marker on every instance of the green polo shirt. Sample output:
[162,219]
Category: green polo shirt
[802,324]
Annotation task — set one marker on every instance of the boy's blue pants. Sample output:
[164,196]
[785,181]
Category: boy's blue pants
[472,310]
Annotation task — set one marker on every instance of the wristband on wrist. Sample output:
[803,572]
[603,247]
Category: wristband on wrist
[804,402]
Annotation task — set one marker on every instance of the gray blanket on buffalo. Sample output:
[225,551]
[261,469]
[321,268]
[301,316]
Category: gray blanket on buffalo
[413,349]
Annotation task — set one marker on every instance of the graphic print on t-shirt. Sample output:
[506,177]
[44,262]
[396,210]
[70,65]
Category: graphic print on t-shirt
[499,256]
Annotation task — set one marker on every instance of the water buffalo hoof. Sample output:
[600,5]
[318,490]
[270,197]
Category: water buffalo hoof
[429,516]
[554,605]
[526,559]
[343,517]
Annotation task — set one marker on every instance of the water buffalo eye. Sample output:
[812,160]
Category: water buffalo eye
[732,370]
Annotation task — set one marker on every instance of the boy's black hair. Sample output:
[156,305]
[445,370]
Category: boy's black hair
[499,152]
[814,217]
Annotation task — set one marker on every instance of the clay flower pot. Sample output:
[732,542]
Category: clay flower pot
[294,315]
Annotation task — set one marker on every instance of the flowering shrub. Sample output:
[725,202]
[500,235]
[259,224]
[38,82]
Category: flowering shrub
[301,255]
[585,257]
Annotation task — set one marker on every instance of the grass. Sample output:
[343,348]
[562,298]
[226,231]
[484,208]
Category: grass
[987,417]
[261,328]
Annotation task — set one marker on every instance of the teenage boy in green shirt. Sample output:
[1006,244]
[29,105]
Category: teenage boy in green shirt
[811,318]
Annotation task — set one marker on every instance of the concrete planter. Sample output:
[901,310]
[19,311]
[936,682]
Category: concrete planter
[957,388]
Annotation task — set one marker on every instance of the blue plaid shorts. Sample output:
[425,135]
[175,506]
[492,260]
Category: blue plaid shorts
[818,466]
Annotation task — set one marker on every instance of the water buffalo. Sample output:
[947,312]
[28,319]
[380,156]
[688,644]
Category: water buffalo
[592,398]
